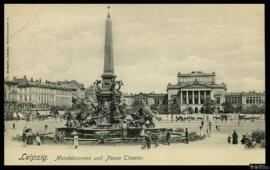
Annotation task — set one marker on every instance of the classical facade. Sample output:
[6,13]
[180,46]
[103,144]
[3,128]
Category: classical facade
[243,100]
[27,94]
[192,90]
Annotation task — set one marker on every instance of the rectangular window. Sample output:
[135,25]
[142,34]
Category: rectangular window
[218,100]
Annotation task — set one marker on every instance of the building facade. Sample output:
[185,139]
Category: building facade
[79,92]
[193,89]
[10,94]
[242,100]
[36,95]
[147,99]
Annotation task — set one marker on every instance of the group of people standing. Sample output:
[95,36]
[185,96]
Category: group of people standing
[29,137]
[154,138]
[208,128]
[246,140]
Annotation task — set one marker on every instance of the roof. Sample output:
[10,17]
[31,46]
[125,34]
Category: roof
[44,85]
[146,95]
[195,73]
[11,82]
[196,84]
[252,93]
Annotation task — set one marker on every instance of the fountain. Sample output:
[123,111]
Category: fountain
[109,112]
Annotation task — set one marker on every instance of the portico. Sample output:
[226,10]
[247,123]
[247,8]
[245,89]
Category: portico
[193,89]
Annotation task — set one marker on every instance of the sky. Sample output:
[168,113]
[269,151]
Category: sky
[151,43]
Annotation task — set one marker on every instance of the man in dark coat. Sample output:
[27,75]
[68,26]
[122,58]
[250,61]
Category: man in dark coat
[234,137]
[202,122]
[168,137]
[186,135]
[155,140]
[148,141]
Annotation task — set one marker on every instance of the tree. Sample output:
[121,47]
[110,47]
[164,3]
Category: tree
[262,109]
[190,110]
[228,107]
[79,105]
[163,109]
[136,105]
[209,106]
[174,108]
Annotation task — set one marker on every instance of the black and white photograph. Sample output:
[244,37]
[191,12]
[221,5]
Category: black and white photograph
[134,84]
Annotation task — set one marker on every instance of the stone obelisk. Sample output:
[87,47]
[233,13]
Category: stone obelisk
[108,95]
[108,72]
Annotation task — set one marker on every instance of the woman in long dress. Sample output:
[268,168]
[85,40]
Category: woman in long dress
[75,139]
[234,138]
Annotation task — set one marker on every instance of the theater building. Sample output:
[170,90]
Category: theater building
[192,89]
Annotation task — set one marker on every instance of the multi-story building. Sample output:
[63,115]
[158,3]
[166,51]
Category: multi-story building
[192,90]
[10,94]
[148,99]
[243,100]
[79,91]
[37,95]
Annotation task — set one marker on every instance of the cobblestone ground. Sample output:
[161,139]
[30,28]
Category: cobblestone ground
[213,150]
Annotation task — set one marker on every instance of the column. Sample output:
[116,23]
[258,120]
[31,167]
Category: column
[181,97]
[211,94]
[199,97]
[187,97]
[193,97]
[204,98]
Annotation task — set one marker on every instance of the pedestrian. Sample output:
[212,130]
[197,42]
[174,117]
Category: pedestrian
[217,128]
[75,139]
[202,123]
[144,145]
[45,127]
[29,137]
[168,137]
[38,139]
[142,133]
[155,140]
[244,139]
[234,138]
[253,143]
[229,139]
[13,125]
[200,130]
[186,136]
[210,126]
[124,128]
[148,141]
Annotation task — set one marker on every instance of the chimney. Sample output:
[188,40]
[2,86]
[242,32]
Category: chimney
[14,77]
[40,80]
[32,79]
